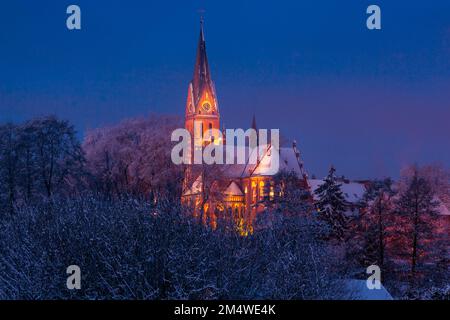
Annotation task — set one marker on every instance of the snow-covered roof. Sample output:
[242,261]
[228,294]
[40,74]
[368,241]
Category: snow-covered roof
[236,170]
[352,191]
[288,161]
[233,190]
[196,187]
[358,290]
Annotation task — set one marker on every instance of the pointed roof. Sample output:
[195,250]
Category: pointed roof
[196,187]
[233,190]
[202,75]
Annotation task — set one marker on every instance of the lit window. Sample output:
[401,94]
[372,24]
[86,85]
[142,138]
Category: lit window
[261,189]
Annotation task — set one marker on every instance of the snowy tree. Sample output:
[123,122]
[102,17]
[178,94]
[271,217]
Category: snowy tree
[438,178]
[436,175]
[375,220]
[29,172]
[39,158]
[9,164]
[417,205]
[210,181]
[129,249]
[133,157]
[58,154]
[331,205]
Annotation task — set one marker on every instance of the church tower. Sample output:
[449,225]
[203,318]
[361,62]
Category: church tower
[201,105]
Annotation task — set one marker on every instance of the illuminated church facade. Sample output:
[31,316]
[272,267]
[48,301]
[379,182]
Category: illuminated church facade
[240,188]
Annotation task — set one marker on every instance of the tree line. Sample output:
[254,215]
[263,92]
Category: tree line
[111,203]
[399,226]
[133,249]
[44,157]
[38,159]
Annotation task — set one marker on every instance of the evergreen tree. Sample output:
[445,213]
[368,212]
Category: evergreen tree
[331,205]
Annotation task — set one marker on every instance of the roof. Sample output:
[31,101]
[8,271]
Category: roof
[352,191]
[196,187]
[288,161]
[233,190]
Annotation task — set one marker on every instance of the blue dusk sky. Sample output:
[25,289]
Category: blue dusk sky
[368,102]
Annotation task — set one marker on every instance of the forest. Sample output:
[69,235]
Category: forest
[110,203]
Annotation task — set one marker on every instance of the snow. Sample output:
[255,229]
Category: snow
[236,170]
[233,189]
[352,191]
[196,187]
[442,208]
[357,290]
[288,162]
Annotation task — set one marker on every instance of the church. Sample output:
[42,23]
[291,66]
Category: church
[233,191]
[241,186]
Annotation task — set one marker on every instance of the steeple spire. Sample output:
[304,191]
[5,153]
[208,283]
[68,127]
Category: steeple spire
[202,32]
[201,104]
[202,81]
